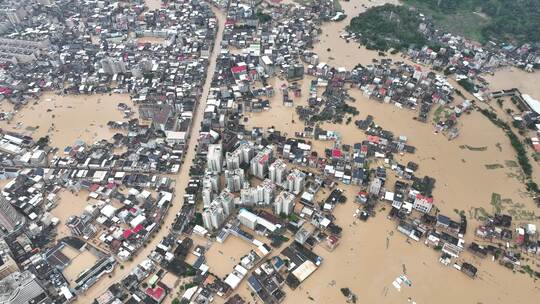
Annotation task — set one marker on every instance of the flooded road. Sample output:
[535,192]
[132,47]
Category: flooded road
[181,182]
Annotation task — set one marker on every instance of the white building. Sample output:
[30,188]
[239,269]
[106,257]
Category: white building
[295,181]
[215,157]
[210,187]
[213,217]
[422,203]
[284,203]
[207,196]
[375,187]
[247,219]
[278,171]
[263,194]
[261,162]
[234,179]
[226,200]
[242,155]
[211,180]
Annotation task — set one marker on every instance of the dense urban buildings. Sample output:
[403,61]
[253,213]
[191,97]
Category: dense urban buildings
[238,151]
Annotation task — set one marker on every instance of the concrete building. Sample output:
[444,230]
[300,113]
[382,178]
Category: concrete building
[375,186]
[10,219]
[261,162]
[213,217]
[263,194]
[242,155]
[22,287]
[113,66]
[278,171]
[422,203]
[210,187]
[295,181]
[284,203]
[226,200]
[7,264]
[247,219]
[219,209]
[234,179]
[207,196]
[215,158]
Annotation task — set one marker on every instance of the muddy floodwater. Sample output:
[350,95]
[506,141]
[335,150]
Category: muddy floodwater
[66,118]
[335,51]
[470,170]
[69,204]
[80,261]
[152,40]
[153,4]
[509,78]
[223,257]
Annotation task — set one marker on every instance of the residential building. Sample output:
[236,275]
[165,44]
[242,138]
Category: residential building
[215,157]
[423,203]
[263,194]
[277,171]
[10,219]
[213,217]
[284,203]
[295,181]
[375,187]
[7,264]
[234,179]
[226,200]
[261,162]
[242,155]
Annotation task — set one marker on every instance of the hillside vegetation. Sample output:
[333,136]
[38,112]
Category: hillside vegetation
[515,21]
[388,26]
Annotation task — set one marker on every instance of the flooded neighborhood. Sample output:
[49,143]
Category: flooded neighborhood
[238,151]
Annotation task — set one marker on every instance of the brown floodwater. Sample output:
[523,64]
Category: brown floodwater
[464,183]
[68,204]
[69,117]
[152,40]
[335,51]
[80,261]
[509,78]
[153,4]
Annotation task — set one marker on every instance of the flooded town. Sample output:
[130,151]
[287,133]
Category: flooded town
[242,151]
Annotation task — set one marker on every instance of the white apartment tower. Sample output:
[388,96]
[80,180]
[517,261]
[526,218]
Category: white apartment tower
[234,179]
[263,194]
[295,181]
[284,203]
[261,162]
[215,157]
[278,171]
[242,155]
[213,217]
